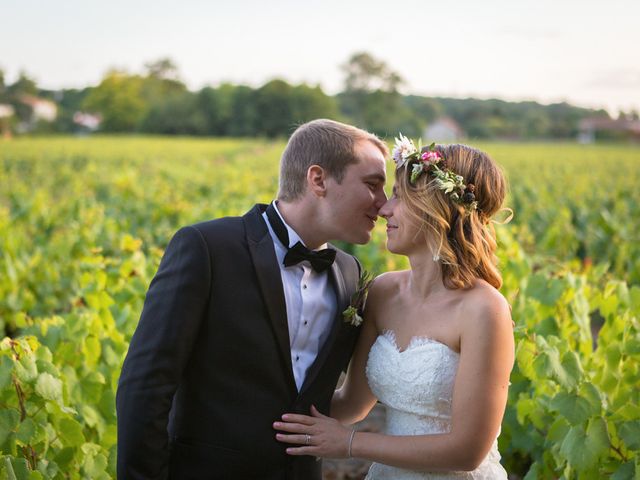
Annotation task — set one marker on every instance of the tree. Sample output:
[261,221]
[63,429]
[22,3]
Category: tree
[23,86]
[244,120]
[426,109]
[215,109]
[162,80]
[119,101]
[535,124]
[274,108]
[280,107]
[371,95]
[176,114]
[5,131]
[632,115]
[3,88]
[163,68]
[15,94]
[69,102]
[366,74]
[309,103]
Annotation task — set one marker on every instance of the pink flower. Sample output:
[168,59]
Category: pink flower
[430,158]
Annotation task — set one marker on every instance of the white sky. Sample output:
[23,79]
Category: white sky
[586,52]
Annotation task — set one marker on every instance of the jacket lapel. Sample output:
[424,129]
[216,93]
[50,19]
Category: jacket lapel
[270,282]
[342,300]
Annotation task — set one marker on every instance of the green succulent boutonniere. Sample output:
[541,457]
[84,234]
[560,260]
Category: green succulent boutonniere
[353,313]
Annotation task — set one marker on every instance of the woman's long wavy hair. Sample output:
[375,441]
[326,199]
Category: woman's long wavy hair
[464,241]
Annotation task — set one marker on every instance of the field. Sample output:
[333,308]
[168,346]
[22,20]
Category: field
[84,221]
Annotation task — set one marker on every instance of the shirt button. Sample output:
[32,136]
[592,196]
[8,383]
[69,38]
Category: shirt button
[297,358]
[305,322]
[304,286]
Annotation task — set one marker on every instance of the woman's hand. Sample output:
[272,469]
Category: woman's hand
[319,435]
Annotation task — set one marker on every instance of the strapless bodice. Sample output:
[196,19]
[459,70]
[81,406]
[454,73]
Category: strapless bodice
[416,387]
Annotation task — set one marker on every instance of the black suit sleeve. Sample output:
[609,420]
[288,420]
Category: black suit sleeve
[160,348]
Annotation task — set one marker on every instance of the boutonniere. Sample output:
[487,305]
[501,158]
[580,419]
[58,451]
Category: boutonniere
[353,313]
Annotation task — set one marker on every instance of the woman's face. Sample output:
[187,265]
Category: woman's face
[402,235]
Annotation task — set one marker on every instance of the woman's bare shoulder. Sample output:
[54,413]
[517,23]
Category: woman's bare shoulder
[485,307]
[386,286]
[389,282]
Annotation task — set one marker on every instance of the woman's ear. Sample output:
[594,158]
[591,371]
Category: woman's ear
[317,180]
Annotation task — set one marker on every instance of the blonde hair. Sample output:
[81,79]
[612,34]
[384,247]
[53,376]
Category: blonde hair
[464,240]
[322,142]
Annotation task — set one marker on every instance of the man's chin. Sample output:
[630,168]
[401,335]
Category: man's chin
[362,239]
[356,238]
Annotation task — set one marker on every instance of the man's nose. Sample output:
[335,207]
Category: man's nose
[381,199]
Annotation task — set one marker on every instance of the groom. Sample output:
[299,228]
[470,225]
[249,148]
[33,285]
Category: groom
[243,320]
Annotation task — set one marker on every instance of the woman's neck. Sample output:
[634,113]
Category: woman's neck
[425,278]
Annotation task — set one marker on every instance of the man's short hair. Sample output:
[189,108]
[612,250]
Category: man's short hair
[326,143]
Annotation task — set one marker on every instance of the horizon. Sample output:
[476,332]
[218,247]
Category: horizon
[534,51]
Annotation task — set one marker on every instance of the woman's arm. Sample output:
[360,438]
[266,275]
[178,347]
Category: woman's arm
[353,400]
[479,400]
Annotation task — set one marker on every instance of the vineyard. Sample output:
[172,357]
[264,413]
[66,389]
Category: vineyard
[84,222]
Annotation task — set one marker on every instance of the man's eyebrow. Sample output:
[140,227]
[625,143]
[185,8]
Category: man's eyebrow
[375,176]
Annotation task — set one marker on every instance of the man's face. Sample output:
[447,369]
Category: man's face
[355,202]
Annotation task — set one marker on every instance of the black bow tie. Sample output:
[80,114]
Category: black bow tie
[320,260]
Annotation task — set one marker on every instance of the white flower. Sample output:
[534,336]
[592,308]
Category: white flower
[358,299]
[418,168]
[352,317]
[403,150]
[446,185]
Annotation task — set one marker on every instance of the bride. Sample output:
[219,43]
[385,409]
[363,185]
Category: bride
[436,347]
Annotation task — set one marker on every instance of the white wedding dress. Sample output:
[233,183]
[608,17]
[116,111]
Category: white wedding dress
[416,386]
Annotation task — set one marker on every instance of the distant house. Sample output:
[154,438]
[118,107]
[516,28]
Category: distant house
[87,121]
[590,128]
[43,110]
[444,129]
[6,110]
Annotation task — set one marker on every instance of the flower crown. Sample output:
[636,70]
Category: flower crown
[432,162]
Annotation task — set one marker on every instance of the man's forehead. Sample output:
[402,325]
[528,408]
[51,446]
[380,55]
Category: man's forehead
[371,163]
[368,167]
[367,148]
[375,165]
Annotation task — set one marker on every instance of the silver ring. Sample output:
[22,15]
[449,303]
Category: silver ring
[307,439]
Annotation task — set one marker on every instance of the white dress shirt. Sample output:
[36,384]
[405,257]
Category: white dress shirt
[311,304]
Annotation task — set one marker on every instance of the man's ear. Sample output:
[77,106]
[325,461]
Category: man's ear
[317,180]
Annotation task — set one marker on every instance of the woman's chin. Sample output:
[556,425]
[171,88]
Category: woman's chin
[394,248]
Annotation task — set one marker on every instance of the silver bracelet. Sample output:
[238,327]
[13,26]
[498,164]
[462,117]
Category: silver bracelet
[353,434]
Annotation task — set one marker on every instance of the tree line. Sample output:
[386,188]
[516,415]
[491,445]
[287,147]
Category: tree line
[158,102]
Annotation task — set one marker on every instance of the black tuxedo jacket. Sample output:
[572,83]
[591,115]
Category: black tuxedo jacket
[209,369]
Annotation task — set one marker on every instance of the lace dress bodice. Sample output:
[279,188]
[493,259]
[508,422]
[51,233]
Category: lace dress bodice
[416,386]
